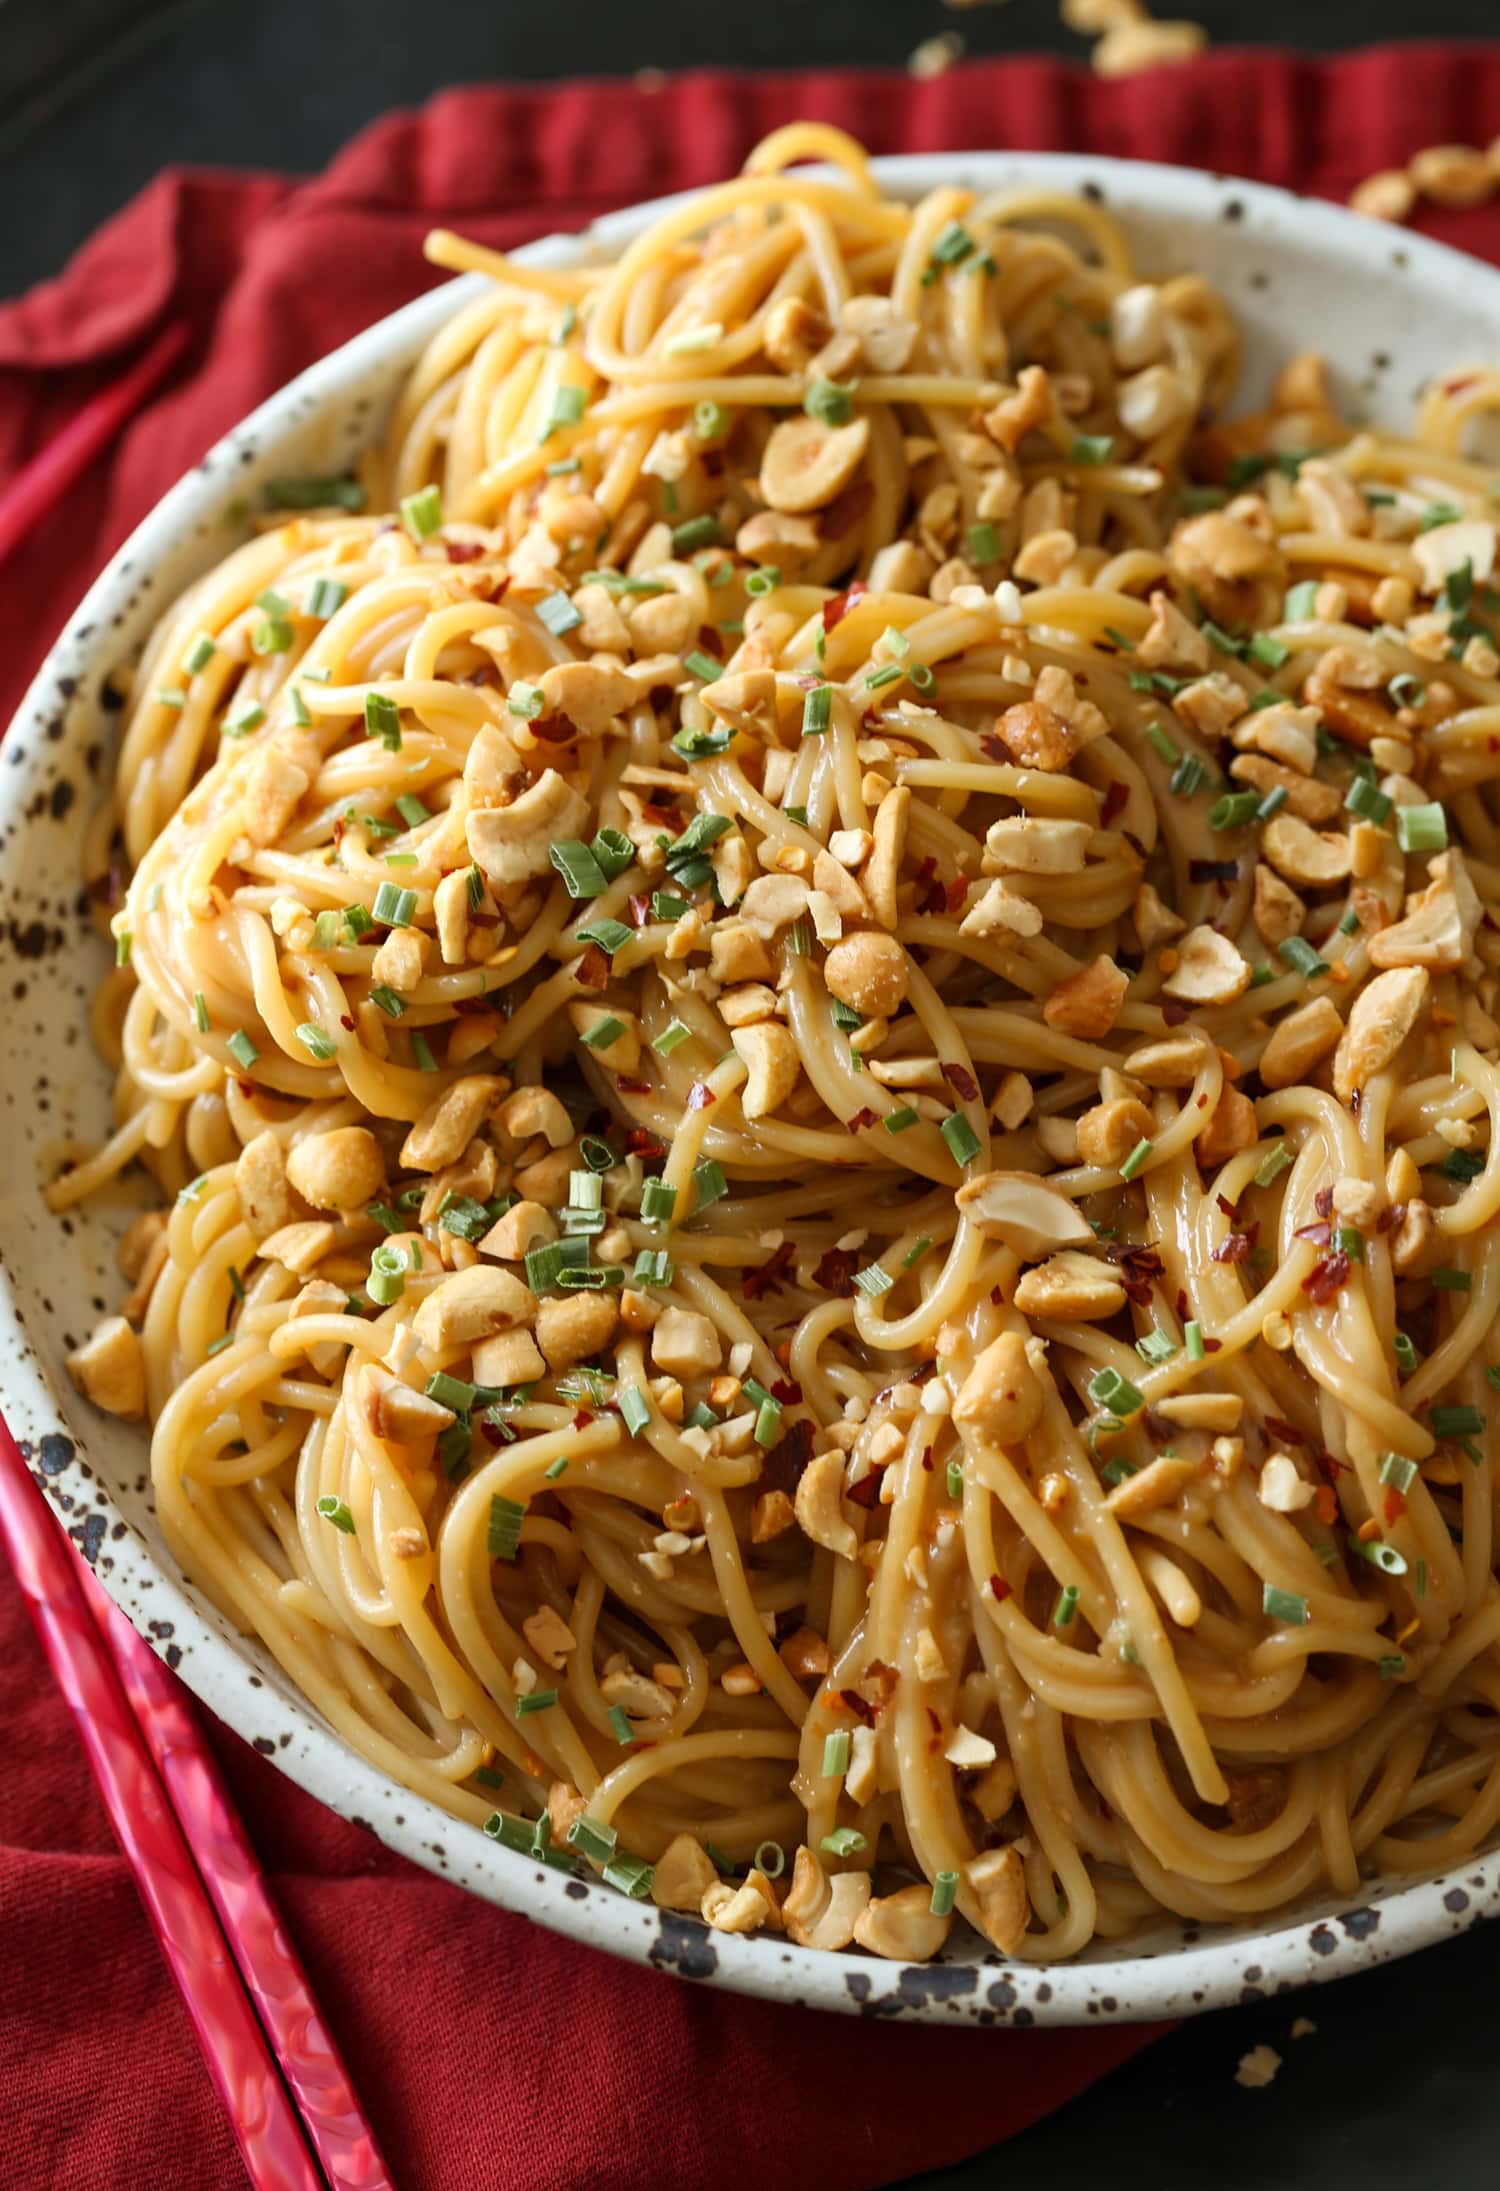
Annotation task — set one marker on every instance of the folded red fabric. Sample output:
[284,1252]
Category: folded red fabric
[488,2051]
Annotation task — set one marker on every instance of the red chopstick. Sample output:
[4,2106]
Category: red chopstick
[269,1964]
[68,455]
[254,2098]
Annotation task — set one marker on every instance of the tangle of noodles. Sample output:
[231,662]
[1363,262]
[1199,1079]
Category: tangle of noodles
[817,1040]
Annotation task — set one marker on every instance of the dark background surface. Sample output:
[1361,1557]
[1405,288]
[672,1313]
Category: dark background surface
[1398,2085]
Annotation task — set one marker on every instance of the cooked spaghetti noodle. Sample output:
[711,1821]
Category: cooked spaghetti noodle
[816,1043]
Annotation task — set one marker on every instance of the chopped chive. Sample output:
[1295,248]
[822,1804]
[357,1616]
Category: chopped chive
[944,1893]
[248,716]
[1107,1388]
[421,1050]
[411,810]
[383,720]
[567,408]
[538,1700]
[955,1479]
[1370,804]
[1300,955]
[671,1038]
[1188,777]
[703,665]
[422,513]
[386,1000]
[963,1142]
[897,1122]
[1270,653]
[843,1841]
[504,1536]
[817,710]
[580,871]
[316,1042]
[1421,828]
[829,401]
[1407,691]
[393,906]
[1272,1164]
[1066,1606]
[703,531]
[1300,605]
[592,1839]
[326,598]
[1136,1160]
[1457,1422]
[1234,810]
[1405,1353]
[558,614]
[1448,1280]
[1154,1346]
[200,1012]
[1161,744]
[242,1049]
[709,1183]
[1398,1471]
[1284,1605]
[334,1510]
[836,1754]
[1192,1337]
[873,1280]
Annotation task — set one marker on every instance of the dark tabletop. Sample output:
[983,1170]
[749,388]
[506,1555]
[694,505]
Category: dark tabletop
[1397,2085]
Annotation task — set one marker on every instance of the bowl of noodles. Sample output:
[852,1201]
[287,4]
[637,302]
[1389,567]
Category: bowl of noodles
[752,1075]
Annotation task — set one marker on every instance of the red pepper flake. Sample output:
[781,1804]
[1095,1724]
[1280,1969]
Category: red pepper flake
[464,551]
[641,1142]
[786,1389]
[1323,1201]
[958,891]
[1326,1276]
[790,1455]
[1395,1505]
[999,1589]
[491,1433]
[662,814]
[1286,1433]
[554,730]
[628,1085]
[962,1082]
[1115,799]
[835,1274]
[867,1490]
[934,1740]
[1320,1234]
[1173,1014]
[346,1022]
[339,826]
[1237,1247]
[768,1278]
[1326,1505]
[1213,1346]
[994,748]
[1230,1209]
[247,1089]
[836,609]
[582,1419]
[592,969]
[934,898]
[927,1458]
[862,1119]
[1138,1268]
[850,1700]
[1129,835]
[700,1096]
[1213,870]
[1392,1215]
[470,1007]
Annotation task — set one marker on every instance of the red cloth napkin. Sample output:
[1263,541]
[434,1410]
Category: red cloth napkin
[488,2051]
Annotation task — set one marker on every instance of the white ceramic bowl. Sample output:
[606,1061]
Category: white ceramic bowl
[1389,310]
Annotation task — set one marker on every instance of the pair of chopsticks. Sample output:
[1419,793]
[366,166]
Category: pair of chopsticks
[270,2054]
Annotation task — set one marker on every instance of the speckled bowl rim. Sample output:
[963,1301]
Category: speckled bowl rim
[1176,1970]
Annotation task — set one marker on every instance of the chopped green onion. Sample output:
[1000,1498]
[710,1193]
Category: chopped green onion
[1457,1422]
[1448,1280]
[984,543]
[658,1202]
[1066,1606]
[817,710]
[1136,1160]
[1161,744]
[1107,1388]
[411,810]
[764,581]
[421,1050]
[1407,691]
[504,1537]
[709,1183]
[313,494]
[558,614]
[1284,1605]
[538,1700]
[697,532]
[1091,449]
[242,1049]
[200,1012]
[1188,777]
[843,1841]
[836,1754]
[944,1893]
[1379,1554]
[579,869]
[248,716]
[383,720]
[316,1042]
[386,1000]
[671,1038]
[1363,799]
[591,1838]
[393,906]
[1192,1337]
[1301,603]
[703,665]
[1154,1346]
[1397,1470]
[873,1280]
[1299,953]
[334,1510]
[1234,810]
[1421,828]
[1405,1353]
[566,409]
[422,512]
[326,598]
[955,1479]
[829,401]
[897,1122]
[610,935]
[1268,652]
[963,1142]
[1272,1164]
